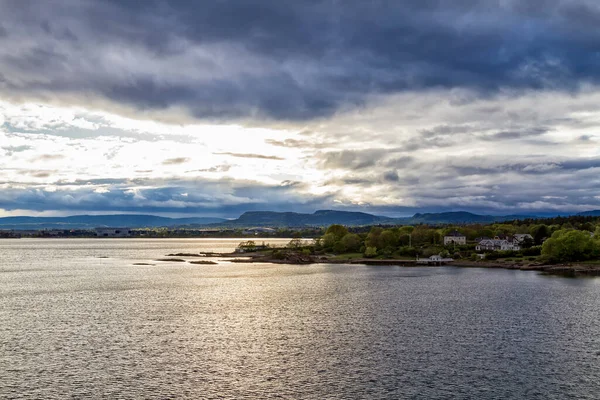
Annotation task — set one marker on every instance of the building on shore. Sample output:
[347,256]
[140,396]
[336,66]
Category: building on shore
[497,244]
[455,237]
[434,260]
[258,230]
[113,232]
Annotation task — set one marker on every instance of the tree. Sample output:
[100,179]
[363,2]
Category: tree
[539,233]
[373,237]
[371,251]
[329,240]
[250,245]
[295,243]
[351,242]
[339,231]
[570,245]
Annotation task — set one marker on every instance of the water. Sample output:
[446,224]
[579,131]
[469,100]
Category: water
[74,325]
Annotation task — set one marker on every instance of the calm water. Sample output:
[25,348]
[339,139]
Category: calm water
[74,325]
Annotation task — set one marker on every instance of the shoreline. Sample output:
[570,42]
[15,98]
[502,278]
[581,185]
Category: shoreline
[568,270]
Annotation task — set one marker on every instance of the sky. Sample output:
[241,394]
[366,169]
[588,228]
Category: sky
[214,108]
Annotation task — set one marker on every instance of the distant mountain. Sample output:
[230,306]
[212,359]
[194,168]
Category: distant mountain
[329,217]
[94,221]
[319,218]
[250,219]
[592,213]
[461,217]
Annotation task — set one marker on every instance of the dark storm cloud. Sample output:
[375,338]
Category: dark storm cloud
[290,60]
[517,134]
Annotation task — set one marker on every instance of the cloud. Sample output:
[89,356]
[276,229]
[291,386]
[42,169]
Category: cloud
[267,59]
[216,168]
[176,161]
[250,155]
[378,106]
[352,159]
[225,197]
[39,173]
[48,157]
[298,144]
[10,150]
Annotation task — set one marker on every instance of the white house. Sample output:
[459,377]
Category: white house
[455,238]
[497,245]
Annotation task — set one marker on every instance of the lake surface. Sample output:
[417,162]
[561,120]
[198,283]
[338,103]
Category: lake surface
[75,325]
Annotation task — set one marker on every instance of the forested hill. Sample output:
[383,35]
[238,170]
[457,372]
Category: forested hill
[593,213]
[329,217]
[261,218]
[319,218]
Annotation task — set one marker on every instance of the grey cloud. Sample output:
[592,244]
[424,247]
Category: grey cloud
[216,168]
[250,155]
[391,176]
[517,134]
[16,149]
[226,198]
[176,161]
[294,143]
[351,159]
[48,157]
[291,61]
[38,173]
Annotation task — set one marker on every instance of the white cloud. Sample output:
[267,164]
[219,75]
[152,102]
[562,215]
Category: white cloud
[435,149]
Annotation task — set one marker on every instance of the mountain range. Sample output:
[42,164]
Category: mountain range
[95,221]
[329,217]
[255,219]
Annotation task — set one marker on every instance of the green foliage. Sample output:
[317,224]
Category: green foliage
[338,231]
[427,240]
[248,245]
[329,240]
[570,245]
[278,255]
[407,251]
[371,252]
[501,254]
[338,247]
[532,251]
[351,242]
[432,251]
[295,243]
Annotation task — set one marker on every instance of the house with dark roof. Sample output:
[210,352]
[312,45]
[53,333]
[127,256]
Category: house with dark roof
[455,237]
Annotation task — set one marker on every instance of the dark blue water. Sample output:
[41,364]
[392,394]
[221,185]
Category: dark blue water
[74,325]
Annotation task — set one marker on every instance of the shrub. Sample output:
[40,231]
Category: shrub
[569,245]
[371,251]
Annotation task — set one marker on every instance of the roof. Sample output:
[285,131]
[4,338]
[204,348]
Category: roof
[455,234]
